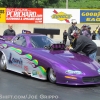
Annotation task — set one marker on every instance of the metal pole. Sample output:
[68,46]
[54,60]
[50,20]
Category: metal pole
[66,4]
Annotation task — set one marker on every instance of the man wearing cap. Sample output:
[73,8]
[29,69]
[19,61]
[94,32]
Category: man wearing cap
[87,46]
[70,31]
[83,29]
[86,32]
[89,30]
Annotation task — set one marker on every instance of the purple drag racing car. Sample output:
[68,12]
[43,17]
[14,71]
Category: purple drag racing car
[38,56]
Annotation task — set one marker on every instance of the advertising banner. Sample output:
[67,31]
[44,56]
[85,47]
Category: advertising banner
[2,15]
[24,15]
[90,16]
[60,15]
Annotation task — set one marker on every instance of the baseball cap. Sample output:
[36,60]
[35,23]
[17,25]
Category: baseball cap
[88,27]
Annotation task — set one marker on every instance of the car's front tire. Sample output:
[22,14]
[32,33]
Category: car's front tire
[3,63]
[51,76]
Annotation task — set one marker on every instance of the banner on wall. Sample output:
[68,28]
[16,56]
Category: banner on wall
[90,16]
[2,15]
[24,15]
[60,15]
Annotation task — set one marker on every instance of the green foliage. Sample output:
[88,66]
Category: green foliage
[84,4]
[33,3]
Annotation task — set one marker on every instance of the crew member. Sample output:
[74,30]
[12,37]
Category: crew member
[9,31]
[65,37]
[70,31]
[85,45]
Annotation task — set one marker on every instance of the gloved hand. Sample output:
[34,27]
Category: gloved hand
[68,48]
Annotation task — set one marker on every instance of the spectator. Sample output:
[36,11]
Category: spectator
[93,35]
[99,33]
[70,31]
[96,31]
[83,29]
[65,34]
[85,45]
[9,31]
[87,32]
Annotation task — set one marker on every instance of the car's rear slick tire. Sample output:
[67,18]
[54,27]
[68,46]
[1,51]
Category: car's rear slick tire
[51,76]
[3,63]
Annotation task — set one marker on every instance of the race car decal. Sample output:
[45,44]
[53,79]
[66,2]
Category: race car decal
[28,64]
[19,51]
[28,56]
[39,72]
[26,68]
[3,46]
[35,61]
[15,61]
[42,70]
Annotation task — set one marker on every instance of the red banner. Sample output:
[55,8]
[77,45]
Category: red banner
[24,15]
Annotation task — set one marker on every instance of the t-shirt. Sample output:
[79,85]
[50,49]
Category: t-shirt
[9,32]
[65,35]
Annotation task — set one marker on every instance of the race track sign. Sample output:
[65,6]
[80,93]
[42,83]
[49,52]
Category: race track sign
[24,15]
[2,15]
[90,16]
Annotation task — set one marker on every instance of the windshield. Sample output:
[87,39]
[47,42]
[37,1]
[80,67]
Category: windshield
[41,41]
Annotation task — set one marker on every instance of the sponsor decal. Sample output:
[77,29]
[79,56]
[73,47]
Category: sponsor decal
[26,68]
[2,15]
[15,61]
[24,15]
[90,16]
[40,76]
[34,72]
[61,16]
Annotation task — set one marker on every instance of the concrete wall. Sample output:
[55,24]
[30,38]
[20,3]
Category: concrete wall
[18,28]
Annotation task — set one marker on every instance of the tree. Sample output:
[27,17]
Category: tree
[16,3]
[33,3]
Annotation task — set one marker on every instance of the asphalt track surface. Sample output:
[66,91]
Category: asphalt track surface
[15,86]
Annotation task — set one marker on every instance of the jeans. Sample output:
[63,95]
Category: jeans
[93,56]
[97,36]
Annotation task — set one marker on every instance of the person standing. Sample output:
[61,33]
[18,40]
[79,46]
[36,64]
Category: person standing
[9,31]
[87,32]
[93,35]
[65,34]
[83,29]
[71,30]
[99,33]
